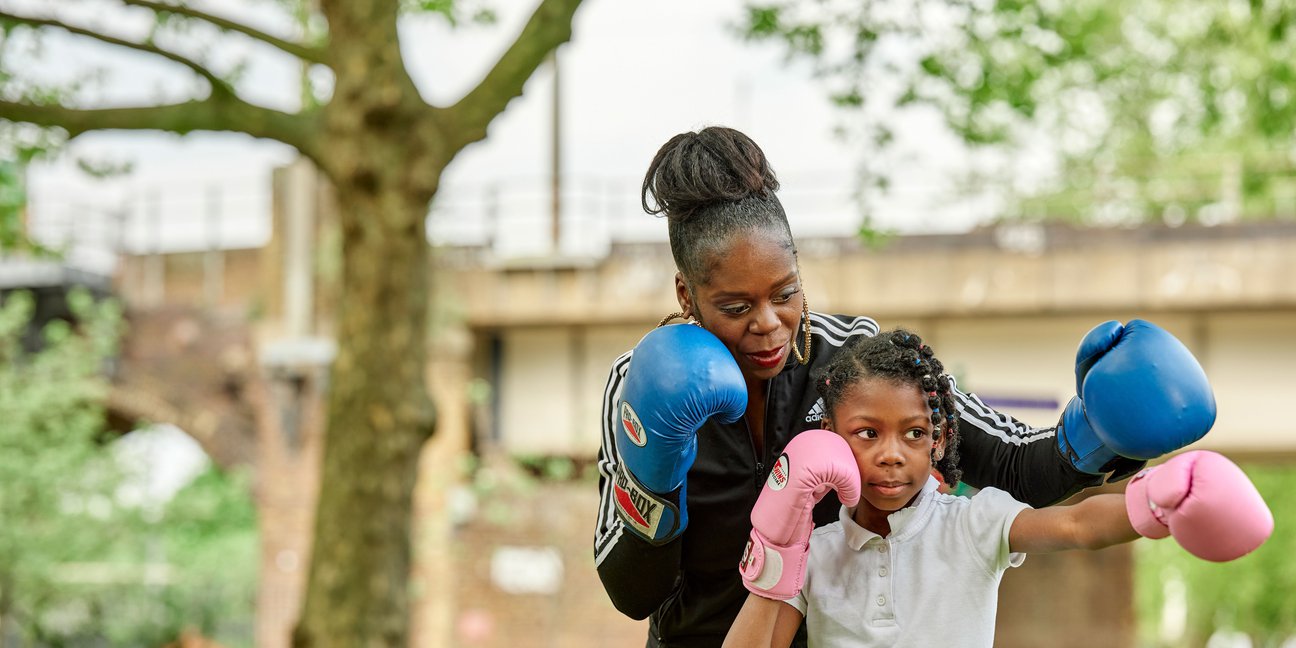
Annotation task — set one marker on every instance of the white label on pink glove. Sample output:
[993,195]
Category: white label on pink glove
[778,477]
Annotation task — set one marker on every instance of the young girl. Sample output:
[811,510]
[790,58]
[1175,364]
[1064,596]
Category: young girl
[912,566]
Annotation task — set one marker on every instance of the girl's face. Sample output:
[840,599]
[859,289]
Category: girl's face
[889,429]
[752,302]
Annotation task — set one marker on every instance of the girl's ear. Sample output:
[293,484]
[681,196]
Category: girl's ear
[827,424]
[938,447]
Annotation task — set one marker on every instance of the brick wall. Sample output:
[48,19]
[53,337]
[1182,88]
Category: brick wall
[519,517]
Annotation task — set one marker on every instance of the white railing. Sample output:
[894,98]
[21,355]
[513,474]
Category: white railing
[512,217]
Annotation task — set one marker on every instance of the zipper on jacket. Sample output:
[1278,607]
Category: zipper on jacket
[760,458]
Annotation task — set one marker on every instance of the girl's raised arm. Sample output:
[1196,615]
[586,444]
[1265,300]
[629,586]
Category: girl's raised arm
[1097,522]
[1201,498]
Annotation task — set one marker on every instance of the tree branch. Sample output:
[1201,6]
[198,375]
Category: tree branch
[550,26]
[212,114]
[301,51]
[218,85]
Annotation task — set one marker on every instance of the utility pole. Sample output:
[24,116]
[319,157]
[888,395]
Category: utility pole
[214,257]
[556,159]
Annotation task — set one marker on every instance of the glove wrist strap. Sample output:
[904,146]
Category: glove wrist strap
[1078,442]
[770,570]
[655,518]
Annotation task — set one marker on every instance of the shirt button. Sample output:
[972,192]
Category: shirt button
[882,548]
[881,601]
[882,572]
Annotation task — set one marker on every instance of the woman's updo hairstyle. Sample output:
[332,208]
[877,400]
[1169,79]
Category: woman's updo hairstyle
[711,185]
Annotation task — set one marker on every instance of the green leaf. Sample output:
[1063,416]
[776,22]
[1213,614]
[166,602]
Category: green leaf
[763,21]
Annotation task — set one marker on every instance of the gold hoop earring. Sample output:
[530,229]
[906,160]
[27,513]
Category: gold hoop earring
[805,319]
[673,316]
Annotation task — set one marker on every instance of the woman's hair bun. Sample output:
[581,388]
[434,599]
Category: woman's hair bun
[695,170]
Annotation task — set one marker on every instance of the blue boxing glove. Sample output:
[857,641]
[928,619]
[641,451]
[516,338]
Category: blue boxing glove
[1140,394]
[679,376]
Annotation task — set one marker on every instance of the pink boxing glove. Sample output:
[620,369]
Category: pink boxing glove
[774,563]
[1202,499]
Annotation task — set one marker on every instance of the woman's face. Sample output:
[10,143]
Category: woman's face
[752,302]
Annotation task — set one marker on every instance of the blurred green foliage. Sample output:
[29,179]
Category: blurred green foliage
[547,467]
[81,562]
[13,201]
[12,198]
[55,491]
[207,537]
[1182,600]
[455,12]
[1175,110]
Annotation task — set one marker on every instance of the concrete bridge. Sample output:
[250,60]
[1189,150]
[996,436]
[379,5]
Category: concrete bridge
[1005,306]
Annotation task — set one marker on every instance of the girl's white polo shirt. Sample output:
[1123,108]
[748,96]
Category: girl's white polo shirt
[933,582]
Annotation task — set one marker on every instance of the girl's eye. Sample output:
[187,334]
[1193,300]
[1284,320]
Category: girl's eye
[737,309]
[786,296]
[915,434]
[867,434]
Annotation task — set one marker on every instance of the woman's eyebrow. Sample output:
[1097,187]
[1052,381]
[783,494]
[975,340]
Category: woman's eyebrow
[777,284]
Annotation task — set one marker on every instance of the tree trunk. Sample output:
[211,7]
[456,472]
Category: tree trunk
[6,606]
[379,415]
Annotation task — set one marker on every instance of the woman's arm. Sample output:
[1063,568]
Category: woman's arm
[763,622]
[652,411]
[637,575]
[1097,522]
[1141,394]
[1000,451]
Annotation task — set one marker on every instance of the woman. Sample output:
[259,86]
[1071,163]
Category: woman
[691,427]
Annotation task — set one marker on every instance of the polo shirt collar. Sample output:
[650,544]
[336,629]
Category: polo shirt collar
[857,536]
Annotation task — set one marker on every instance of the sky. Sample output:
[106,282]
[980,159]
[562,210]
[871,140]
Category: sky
[634,75]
